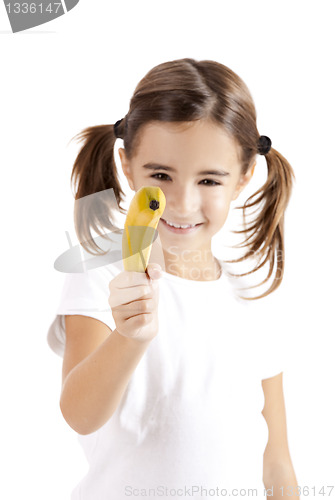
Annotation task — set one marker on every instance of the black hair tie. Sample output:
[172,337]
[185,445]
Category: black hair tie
[117,135]
[264,145]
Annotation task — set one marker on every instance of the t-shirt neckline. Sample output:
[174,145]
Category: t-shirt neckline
[195,283]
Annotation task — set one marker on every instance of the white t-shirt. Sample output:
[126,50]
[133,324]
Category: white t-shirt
[189,424]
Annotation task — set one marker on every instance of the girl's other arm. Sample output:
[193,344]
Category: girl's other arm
[278,471]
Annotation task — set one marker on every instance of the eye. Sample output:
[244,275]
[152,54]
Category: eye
[212,183]
[159,178]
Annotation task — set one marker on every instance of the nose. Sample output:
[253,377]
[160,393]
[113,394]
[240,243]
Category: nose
[184,201]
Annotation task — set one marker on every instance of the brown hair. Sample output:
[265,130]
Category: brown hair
[181,91]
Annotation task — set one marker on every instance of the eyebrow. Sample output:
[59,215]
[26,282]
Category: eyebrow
[155,166]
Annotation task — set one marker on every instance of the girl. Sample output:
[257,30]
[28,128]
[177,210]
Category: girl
[172,380]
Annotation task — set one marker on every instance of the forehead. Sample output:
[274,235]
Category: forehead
[197,142]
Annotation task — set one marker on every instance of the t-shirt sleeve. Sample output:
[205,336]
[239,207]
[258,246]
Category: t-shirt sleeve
[87,294]
[267,323]
[273,324]
[273,353]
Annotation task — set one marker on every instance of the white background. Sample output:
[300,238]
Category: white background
[81,70]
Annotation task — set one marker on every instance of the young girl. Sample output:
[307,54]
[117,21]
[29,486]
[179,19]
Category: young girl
[172,380]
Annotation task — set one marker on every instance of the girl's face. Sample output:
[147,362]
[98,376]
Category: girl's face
[197,167]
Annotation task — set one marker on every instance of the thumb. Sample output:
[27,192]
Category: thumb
[154,271]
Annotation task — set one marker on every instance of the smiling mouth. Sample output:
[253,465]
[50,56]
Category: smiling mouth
[180,226]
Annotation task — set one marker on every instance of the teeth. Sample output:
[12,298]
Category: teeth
[179,227]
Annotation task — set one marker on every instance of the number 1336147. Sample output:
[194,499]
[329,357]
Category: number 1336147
[33,8]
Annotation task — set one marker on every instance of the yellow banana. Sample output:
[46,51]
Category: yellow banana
[145,210]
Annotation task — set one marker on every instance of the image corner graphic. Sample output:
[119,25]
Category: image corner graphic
[29,14]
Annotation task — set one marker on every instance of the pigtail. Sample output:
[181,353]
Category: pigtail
[94,171]
[265,232]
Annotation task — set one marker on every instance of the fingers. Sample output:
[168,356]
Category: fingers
[122,296]
[134,302]
[131,286]
[142,306]
[131,278]
[136,320]
[154,271]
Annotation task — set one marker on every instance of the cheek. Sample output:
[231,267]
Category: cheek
[138,178]
[217,205]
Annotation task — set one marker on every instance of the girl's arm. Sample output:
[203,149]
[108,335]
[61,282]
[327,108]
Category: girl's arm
[278,472]
[97,367]
[98,362]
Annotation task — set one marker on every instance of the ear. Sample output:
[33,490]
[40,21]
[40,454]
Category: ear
[243,181]
[126,167]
